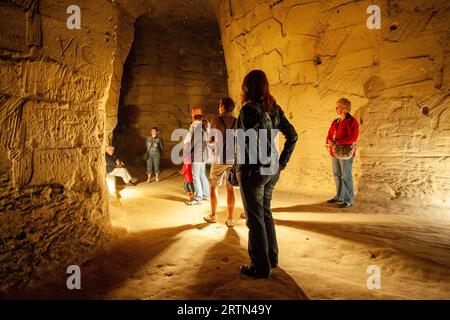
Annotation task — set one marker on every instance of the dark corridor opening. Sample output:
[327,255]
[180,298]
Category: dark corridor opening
[171,67]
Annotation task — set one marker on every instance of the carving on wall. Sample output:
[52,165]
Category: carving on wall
[10,119]
[84,51]
[51,119]
[13,137]
[64,48]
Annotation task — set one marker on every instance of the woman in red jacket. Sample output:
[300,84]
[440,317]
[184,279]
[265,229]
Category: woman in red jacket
[343,131]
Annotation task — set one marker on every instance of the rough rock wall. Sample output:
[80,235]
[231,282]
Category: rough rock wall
[54,84]
[123,36]
[169,71]
[398,80]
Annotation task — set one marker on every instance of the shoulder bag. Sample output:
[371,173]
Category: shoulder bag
[146,155]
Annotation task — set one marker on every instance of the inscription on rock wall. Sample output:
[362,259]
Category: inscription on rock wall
[59,128]
[53,81]
[69,48]
[64,166]
[56,82]
[52,102]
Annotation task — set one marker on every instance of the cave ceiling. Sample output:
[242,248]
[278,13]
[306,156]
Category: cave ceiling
[187,15]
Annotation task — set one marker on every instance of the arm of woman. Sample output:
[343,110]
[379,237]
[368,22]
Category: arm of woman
[330,137]
[289,132]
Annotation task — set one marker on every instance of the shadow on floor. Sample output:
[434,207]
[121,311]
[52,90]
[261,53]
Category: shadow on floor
[172,198]
[110,269]
[426,242]
[224,282]
[321,207]
[132,259]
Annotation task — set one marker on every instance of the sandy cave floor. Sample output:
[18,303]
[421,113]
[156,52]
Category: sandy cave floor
[170,253]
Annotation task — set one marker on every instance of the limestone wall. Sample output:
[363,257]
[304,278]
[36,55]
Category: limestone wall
[54,85]
[60,88]
[169,71]
[398,79]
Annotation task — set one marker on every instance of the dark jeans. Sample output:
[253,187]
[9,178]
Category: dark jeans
[256,193]
[153,163]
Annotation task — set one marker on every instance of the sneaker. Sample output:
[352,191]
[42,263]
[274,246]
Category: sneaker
[205,199]
[130,184]
[229,223]
[193,203]
[210,219]
[345,205]
[243,215]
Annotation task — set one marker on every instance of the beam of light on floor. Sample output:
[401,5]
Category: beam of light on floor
[130,193]
[111,183]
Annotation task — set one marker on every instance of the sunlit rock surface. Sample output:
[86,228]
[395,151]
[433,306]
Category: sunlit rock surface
[397,78]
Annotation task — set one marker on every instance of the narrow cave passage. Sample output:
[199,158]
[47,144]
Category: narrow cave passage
[171,68]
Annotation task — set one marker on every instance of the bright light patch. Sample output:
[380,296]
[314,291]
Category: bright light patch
[111,183]
[130,192]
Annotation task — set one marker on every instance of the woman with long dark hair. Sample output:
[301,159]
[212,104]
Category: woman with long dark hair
[257,180]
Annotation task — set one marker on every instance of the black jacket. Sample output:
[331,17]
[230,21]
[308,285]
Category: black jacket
[252,116]
[110,162]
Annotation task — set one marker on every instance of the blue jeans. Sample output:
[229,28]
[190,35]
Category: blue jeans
[201,184]
[342,171]
[256,193]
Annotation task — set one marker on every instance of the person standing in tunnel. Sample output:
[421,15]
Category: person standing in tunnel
[154,145]
[197,140]
[341,140]
[260,111]
[222,126]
